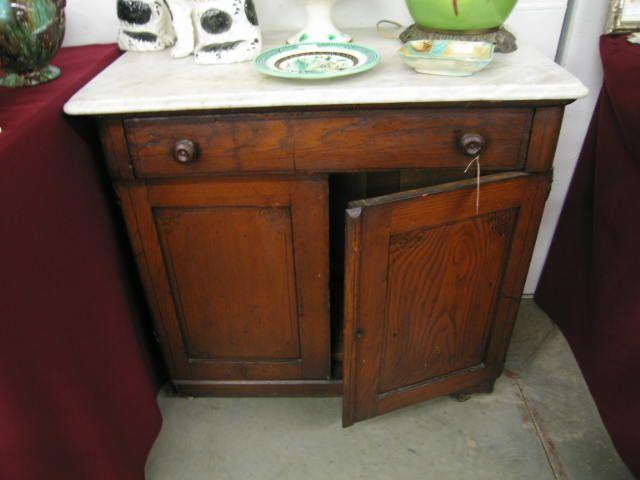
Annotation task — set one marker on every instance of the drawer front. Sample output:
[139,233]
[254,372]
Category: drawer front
[327,141]
[413,138]
[209,144]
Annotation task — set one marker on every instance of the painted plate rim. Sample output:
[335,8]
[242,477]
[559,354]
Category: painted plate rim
[372,59]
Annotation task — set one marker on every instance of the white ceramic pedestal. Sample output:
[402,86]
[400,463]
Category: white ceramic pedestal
[320,27]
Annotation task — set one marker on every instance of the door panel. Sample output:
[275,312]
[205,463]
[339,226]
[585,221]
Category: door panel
[233,280]
[241,275]
[445,274]
[431,287]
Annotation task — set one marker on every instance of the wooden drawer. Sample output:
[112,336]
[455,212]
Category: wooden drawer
[230,144]
[328,141]
[410,138]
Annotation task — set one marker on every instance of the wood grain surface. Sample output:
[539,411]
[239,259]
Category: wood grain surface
[417,138]
[232,241]
[330,141]
[224,144]
[239,272]
[429,278]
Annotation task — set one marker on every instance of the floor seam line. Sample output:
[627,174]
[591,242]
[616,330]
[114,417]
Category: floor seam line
[547,454]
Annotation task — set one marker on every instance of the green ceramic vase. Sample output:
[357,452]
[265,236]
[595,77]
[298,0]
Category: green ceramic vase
[31,32]
[460,15]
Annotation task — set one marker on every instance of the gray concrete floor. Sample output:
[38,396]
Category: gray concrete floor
[540,423]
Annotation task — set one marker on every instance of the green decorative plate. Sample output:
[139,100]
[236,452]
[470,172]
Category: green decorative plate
[317,61]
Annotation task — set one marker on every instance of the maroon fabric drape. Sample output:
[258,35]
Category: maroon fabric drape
[76,398]
[590,284]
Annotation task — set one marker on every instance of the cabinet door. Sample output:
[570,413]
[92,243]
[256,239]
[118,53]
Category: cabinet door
[238,273]
[432,288]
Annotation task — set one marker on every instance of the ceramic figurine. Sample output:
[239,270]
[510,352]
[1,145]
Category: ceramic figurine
[31,32]
[183,27]
[145,25]
[320,27]
[216,31]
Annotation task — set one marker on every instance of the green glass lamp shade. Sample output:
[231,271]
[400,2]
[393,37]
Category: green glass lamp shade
[460,15]
[31,32]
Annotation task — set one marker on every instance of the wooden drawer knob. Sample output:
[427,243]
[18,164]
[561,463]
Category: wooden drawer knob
[472,144]
[185,151]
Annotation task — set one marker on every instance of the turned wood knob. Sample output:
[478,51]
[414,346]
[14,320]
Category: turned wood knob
[185,151]
[472,144]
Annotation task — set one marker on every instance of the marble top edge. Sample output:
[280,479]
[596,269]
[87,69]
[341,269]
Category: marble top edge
[104,107]
[152,83]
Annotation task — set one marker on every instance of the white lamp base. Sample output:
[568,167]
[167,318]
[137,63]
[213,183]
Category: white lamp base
[320,27]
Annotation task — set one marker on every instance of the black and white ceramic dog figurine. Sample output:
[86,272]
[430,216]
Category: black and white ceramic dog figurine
[216,31]
[145,25]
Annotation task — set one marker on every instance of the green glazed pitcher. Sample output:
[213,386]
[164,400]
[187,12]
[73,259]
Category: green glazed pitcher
[461,15]
[31,32]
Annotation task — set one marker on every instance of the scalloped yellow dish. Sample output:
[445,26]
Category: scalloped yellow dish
[447,57]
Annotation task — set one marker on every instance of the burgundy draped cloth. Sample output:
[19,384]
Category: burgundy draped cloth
[76,397]
[590,285]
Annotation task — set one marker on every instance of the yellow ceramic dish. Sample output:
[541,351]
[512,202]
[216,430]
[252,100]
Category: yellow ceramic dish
[447,57]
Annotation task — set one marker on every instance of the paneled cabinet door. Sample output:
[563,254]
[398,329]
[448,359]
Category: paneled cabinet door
[432,288]
[236,270]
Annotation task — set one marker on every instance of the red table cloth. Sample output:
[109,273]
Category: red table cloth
[76,398]
[590,284]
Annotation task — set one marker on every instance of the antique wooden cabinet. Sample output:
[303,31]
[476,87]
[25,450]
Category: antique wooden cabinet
[334,248]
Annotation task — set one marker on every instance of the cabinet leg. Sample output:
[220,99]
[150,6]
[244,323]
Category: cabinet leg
[464,395]
[461,397]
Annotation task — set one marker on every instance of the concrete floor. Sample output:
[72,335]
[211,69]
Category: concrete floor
[540,423]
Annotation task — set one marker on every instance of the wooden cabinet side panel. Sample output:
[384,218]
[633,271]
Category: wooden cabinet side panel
[545,133]
[115,147]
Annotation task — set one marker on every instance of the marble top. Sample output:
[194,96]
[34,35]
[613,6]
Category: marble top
[154,82]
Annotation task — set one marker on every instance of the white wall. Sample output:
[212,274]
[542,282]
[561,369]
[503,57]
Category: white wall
[579,53]
[94,21]
[536,22]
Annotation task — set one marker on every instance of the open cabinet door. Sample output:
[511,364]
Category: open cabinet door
[432,288]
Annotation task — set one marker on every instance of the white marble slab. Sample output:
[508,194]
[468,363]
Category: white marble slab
[153,82]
